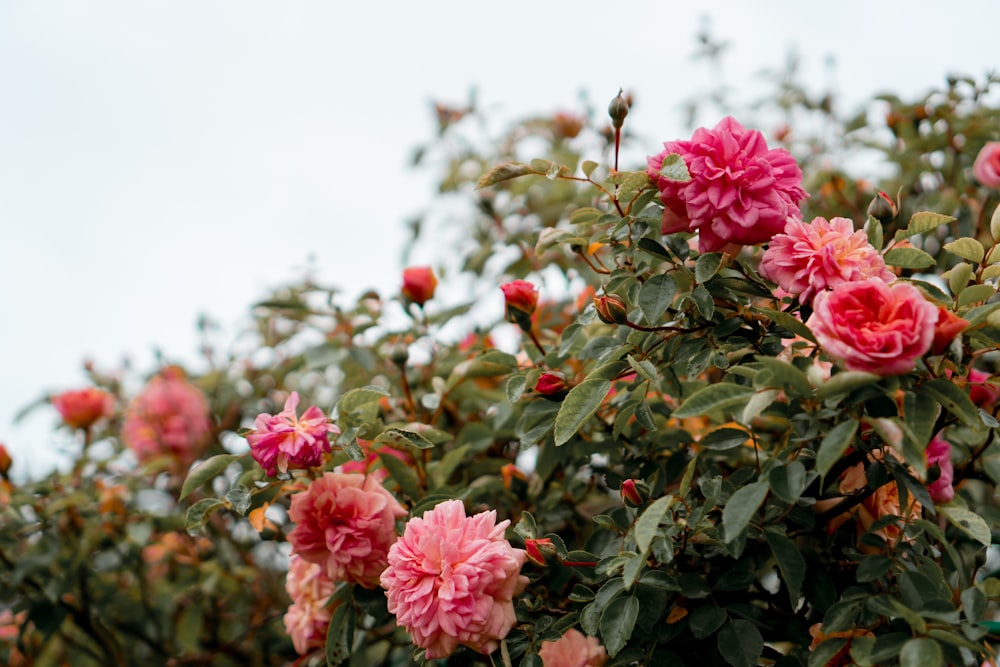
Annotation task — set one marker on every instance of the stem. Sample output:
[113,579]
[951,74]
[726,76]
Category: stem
[410,405]
[534,339]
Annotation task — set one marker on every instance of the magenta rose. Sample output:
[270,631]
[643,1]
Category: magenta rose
[938,453]
[286,441]
[874,327]
[808,258]
[740,192]
[986,168]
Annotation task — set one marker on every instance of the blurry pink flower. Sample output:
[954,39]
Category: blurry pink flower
[808,258]
[982,392]
[938,453]
[419,283]
[451,580]
[170,417]
[986,168]
[308,618]
[284,440]
[345,523]
[740,191]
[874,327]
[573,649]
[82,408]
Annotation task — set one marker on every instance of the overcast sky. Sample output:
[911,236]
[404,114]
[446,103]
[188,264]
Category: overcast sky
[163,159]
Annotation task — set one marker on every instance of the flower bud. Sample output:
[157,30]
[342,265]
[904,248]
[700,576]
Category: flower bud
[399,354]
[567,124]
[509,473]
[419,283]
[552,386]
[618,109]
[537,550]
[634,494]
[520,301]
[882,208]
[946,329]
[611,309]
[82,408]
[5,461]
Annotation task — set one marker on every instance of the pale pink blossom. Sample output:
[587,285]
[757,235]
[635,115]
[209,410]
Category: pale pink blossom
[169,418]
[938,453]
[573,649]
[82,408]
[986,168]
[740,192]
[452,579]
[346,523]
[807,258]
[308,617]
[874,327]
[285,440]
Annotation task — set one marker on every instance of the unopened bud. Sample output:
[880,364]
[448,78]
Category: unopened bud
[5,461]
[634,493]
[399,354]
[552,386]
[537,550]
[883,208]
[611,309]
[618,109]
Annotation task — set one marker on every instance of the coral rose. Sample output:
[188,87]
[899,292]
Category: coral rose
[938,453]
[946,329]
[573,649]
[419,283]
[740,191]
[170,417]
[345,523]
[84,407]
[874,327]
[451,580]
[285,440]
[308,617]
[808,258]
[986,168]
[520,299]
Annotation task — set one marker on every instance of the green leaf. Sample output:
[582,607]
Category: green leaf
[656,295]
[975,294]
[781,375]
[340,634]
[967,248]
[579,405]
[923,222]
[790,562]
[707,266]
[968,522]
[515,386]
[503,172]
[824,653]
[844,383]
[872,568]
[714,398]
[359,406]
[958,277]
[704,621]
[647,525]
[703,301]
[740,643]
[974,603]
[995,224]
[954,400]
[921,412]
[394,437]
[873,230]
[788,322]
[724,438]
[909,258]
[199,513]
[787,481]
[205,471]
[834,444]
[403,474]
[585,215]
[618,622]
[654,248]
[921,652]
[674,169]
[741,508]
[239,499]
[588,167]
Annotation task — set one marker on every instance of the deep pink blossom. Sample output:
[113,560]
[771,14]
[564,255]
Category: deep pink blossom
[573,649]
[452,579]
[285,440]
[740,192]
[807,258]
[170,417]
[83,407]
[346,523]
[938,453]
[308,617]
[874,327]
[982,392]
[986,168]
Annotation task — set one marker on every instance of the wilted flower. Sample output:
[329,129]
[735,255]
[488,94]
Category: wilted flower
[82,408]
[808,258]
[986,168]
[740,191]
[419,283]
[169,417]
[874,327]
[451,580]
[573,649]
[346,523]
[308,617]
[283,441]
[938,453]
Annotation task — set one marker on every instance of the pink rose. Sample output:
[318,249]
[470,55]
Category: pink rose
[345,523]
[573,649]
[284,440]
[986,168]
[452,579]
[982,392]
[520,298]
[808,258]
[874,327]
[170,417]
[938,453]
[308,618]
[419,283]
[83,407]
[740,191]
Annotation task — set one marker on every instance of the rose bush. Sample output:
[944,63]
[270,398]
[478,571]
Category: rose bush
[672,424]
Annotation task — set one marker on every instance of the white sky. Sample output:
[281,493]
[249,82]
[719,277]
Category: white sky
[162,159]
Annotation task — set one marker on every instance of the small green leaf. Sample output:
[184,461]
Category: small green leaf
[844,383]
[724,438]
[705,620]
[787,481]
[995,224]
[714,398]
[340,634]
[394,437]
[199,513]
[873,230]
[967,248]
[647,525]
[958,277]
[740,643]
[674,169]
[618,622]
[403,475]
[834,444]
[788,322]
[585,215]
[921,652]
[205,471]
[872,568]
[579,405]
[968,522]
[707,266]
[781,375]
[909,258]
[741,508]
[656,295]
[359,406]
[954,400]
[923,222]
[975,294]
[588,167]
[790,562]
[703,301]
[503,172]
[515,386]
